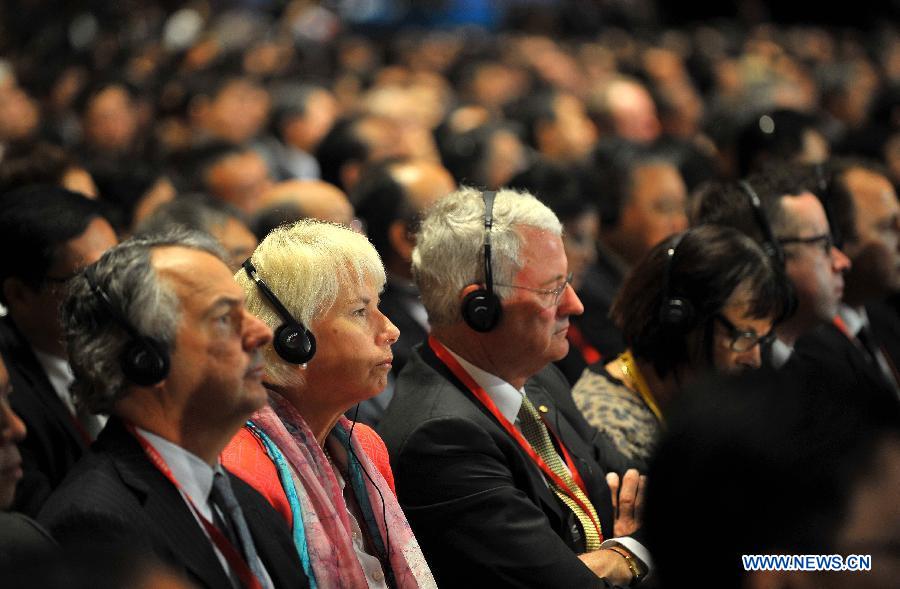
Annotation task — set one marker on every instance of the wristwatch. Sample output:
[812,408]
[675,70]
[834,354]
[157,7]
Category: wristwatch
[637,568]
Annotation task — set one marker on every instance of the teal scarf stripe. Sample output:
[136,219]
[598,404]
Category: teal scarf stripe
[287,483]
[358,485]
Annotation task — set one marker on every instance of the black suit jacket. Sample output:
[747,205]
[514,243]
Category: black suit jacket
[826,350]
[116,495]
[479,506]
[52,445]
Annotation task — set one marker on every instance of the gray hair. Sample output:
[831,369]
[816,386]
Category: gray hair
[449,253]
[307,265]
[95,340]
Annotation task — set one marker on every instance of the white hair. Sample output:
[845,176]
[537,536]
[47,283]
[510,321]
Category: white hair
[449,252]
[307,265]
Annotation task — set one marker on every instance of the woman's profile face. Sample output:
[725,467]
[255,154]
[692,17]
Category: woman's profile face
[353,350]
[735,341]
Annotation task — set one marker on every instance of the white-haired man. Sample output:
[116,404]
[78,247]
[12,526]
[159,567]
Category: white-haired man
[498,473]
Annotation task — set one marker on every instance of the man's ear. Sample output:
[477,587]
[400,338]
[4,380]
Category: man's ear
[16,293]
[400,240]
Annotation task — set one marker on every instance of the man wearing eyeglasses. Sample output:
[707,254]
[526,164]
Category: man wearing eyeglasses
[501,478]
[48,235]
[778,208]
[788,221]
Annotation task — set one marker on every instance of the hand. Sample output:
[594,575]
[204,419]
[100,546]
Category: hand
[609,565]
[628,502]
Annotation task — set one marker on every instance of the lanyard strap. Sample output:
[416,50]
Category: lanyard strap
[237,562]
[643,389]
[590,354]
[481,395]
[290,491]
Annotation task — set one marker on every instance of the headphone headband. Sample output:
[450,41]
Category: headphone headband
[770,244]
[481,308]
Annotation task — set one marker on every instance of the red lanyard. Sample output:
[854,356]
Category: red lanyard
[234,558]
[450,362]
[590,354]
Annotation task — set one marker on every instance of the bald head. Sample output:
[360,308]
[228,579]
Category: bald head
[423,181]
[313,198]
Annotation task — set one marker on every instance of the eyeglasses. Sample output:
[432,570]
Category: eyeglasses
[825,239]
[554,293]
[744,341]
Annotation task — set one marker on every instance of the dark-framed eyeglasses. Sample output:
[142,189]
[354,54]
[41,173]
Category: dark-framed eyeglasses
[552,294]
[825,241]
[744,340]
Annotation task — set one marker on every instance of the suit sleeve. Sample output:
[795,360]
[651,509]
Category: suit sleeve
[470,518]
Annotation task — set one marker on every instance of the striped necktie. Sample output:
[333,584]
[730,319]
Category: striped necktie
[536,433]
[223,497]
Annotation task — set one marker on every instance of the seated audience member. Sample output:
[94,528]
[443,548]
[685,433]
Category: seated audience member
[292,200]
[355,142]
[800,467]
[302,116]
[780,136]
[559,188]
[556,125]
[159,338]
[197,212]
[49,234]
[20,536]
[492,501]
[703,300]
[866,213]
[24,164]
[391,198]
[777,209]
[237,175]
[642,200]
[488,155]
[329,478]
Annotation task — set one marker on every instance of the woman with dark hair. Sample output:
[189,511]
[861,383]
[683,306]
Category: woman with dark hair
[704,300]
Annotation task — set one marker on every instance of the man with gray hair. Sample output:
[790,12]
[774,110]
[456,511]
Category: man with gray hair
[159,338]
[497,471]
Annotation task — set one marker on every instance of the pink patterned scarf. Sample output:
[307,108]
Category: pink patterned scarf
[325,517]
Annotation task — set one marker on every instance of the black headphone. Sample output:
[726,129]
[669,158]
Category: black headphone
[144,360]
[770,245]
[293,342]
[772,248]
[675,312]
[481,308]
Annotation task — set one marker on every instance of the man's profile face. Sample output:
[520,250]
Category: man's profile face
[43,307]
[240,180]
[877,248]
[816,269]
[532,322]
[217,365]
[655,209]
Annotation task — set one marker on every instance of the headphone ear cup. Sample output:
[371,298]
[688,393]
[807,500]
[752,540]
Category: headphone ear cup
[145,362]
[481,310]
[294,343]
[676,313]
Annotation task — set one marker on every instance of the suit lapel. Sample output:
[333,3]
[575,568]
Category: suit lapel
[551,505]
[21,359]
[164,508]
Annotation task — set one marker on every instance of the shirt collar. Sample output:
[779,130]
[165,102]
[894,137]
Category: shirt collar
[60,375]
[854,319]
[781,353]
[193,474]
[506,397]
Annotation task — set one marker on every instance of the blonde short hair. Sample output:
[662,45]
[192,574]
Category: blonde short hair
[307,264]
[449,253]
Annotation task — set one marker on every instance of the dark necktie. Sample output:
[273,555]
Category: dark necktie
[233,524]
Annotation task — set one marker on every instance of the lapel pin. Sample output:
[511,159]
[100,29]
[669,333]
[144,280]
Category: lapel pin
[543,409]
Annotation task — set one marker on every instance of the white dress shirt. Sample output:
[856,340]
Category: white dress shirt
[196,478]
